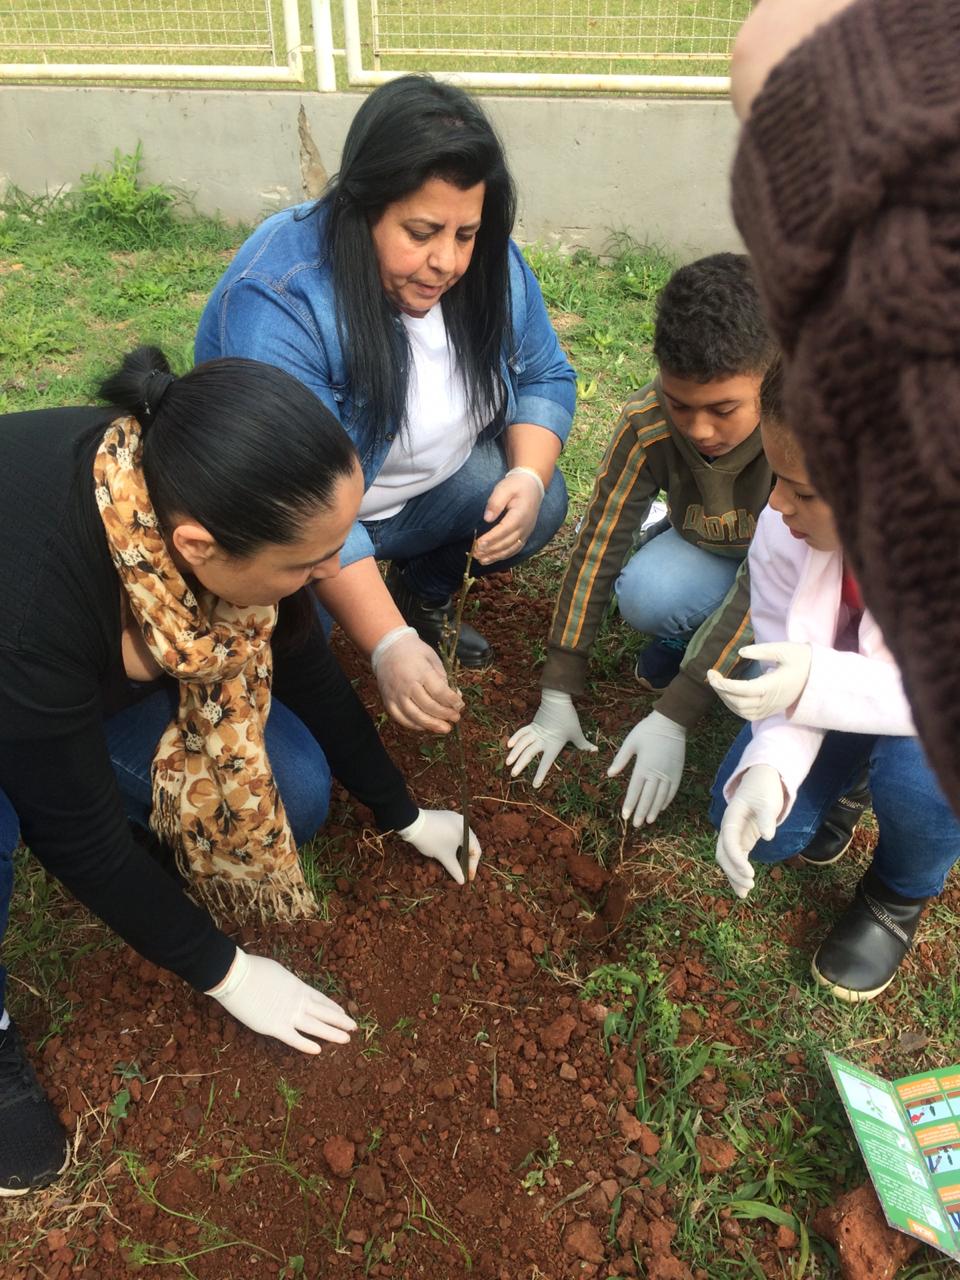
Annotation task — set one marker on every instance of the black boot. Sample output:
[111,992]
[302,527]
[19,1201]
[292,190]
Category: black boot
[430,620]
[836,832]
[862,952]
[34,1149]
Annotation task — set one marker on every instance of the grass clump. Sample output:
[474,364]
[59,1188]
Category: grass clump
[117,209]
[86,275]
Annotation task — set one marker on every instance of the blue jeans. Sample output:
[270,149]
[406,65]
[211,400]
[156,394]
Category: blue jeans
[669,587]
[430,537]
[919,836]
[299,768]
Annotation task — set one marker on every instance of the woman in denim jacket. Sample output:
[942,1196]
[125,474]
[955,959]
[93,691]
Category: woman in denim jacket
[458,410]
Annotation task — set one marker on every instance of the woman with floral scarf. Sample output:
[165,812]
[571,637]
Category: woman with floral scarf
[164,688]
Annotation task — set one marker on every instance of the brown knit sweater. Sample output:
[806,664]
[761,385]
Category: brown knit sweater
[846,188]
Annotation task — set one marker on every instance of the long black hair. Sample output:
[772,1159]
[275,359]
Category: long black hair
[239,446]
[408,131]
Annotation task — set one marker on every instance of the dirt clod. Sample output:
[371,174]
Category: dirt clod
[557,1034]
[582,1240]
[868,1249]
[586,873]
[520,964]
[716,1155]
[370,1183]
[339,1153]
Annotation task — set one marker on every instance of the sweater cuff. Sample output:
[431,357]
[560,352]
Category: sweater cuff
[686,700]
[564,671]
[396,812]
[212,964]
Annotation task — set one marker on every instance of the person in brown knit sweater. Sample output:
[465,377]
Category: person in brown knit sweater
[846,188]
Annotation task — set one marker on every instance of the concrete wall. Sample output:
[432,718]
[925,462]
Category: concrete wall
[585,167]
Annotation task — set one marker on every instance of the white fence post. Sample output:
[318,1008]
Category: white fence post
[323,45]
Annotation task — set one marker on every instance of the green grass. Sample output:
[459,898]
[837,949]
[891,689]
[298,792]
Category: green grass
[671,37]
[83,281]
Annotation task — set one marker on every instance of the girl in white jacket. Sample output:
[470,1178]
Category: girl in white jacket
[829,711]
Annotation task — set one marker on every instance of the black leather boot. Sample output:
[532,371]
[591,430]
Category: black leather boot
[862,952]
[428,619]
[836,832]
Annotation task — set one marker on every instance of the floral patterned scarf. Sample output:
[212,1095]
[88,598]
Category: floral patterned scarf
[214,797]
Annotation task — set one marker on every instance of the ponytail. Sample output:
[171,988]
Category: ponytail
[140,384]
[239,446]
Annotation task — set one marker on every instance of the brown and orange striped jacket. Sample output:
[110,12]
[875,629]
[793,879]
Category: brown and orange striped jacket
[713,505]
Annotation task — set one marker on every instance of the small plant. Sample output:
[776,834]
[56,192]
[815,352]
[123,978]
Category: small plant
[376,1137]
[545,1158]
[116,208]
[291,1099]
[118,1108]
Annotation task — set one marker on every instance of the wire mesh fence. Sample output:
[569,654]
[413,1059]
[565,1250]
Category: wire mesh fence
[164,33]
[259,40]
[574,30]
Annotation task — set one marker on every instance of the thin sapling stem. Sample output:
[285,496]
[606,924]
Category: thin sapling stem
[451,665]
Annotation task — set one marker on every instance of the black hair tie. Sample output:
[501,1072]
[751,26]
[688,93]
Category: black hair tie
[154,391]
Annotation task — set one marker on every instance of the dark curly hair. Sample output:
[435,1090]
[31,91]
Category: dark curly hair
[709,321]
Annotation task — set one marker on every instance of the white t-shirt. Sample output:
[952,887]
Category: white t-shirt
[439,431]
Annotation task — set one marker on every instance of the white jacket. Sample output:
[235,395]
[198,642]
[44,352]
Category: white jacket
[795,595]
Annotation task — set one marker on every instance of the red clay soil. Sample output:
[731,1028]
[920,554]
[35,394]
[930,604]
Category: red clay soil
[867,1247]
[402,1153]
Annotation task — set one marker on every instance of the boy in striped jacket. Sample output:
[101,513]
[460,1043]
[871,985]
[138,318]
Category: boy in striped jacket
[692,434]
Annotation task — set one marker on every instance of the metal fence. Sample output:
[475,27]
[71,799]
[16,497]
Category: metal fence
[243,40]
[677,45]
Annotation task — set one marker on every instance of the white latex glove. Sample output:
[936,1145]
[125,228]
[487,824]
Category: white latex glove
[555,724]
[660,747]
[777,689]
[437,834]
[750,816]
[518,498]
[413,683]
[268,998]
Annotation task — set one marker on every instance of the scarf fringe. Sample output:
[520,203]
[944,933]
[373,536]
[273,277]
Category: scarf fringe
[281,896]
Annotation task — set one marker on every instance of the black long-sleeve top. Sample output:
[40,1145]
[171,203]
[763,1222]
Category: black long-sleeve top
[60,655]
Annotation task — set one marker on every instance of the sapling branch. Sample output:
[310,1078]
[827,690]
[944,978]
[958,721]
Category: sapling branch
[451,665]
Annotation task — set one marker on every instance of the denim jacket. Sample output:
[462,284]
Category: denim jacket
[275,303]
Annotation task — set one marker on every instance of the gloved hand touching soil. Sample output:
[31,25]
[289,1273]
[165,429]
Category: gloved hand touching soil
[658,746]
[555,724]
[437,833]
[268,998]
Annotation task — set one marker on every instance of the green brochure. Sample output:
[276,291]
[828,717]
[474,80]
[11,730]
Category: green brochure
[909,1133]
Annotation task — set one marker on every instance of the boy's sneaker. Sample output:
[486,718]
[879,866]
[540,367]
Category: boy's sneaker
[861,954]
[657,664]
[836,832]
[34,1149]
